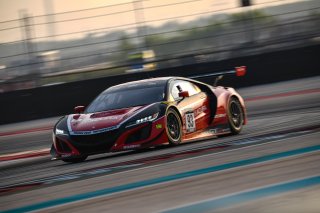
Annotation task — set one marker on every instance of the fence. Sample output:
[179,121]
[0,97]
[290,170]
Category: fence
[53,45]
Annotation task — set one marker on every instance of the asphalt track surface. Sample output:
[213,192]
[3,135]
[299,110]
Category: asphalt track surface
[272,166]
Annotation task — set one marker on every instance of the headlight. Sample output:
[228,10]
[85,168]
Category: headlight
[148,118]
[60,132]
[144,120]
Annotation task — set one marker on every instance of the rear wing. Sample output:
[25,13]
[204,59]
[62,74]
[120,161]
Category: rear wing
[238,71]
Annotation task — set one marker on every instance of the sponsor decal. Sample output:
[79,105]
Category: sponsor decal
[66,155]
[131,146]
[212,131]
[218,131]
[224,130]
[93,131]
[201,110]
[220,115]
[159,126]
[190,122]
[112,117]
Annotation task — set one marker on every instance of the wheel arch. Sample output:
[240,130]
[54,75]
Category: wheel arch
[241,101]
[175,109]
[175,141]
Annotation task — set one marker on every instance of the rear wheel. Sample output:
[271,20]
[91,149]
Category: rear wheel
[174,127]
[235,116]
[76,159]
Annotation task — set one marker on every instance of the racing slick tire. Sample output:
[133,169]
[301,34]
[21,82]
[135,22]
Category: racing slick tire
[76,159]
[235,116]
[173,127]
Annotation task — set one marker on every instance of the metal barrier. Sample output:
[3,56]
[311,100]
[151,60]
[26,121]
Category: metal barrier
[60,99]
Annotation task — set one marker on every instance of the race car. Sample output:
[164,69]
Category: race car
[149,113]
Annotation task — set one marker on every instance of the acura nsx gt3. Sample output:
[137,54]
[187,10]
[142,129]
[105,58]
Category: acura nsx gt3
[149,113]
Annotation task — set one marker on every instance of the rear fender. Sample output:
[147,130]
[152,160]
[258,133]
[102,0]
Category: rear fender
[234,94]
[220,116]
[223,98]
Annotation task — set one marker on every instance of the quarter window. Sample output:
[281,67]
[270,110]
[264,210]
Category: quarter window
[185,86]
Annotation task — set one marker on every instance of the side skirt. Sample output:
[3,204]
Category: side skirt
[208,133]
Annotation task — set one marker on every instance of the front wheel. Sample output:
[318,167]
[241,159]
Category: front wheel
[174,127]
[235,116]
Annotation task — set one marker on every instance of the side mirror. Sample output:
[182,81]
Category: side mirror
[79,109]
[184,94]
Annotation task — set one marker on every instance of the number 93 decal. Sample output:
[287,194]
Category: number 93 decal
[190,123]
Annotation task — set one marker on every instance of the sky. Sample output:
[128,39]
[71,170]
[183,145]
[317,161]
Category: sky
[13,10]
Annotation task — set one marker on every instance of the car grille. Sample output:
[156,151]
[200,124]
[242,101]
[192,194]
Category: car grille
[95,143]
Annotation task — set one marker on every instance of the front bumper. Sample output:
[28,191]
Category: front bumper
[141,136]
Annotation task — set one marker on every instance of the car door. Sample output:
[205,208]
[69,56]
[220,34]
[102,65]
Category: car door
[194,109]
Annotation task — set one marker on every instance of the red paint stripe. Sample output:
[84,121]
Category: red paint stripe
[17,156]
[301,92]
[23,131]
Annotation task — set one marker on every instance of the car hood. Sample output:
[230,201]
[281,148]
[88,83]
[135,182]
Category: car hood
[100,120]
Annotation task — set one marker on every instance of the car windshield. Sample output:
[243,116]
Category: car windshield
[109,100]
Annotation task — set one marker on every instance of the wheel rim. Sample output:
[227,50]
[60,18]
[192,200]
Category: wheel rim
[173,126]
[236,114]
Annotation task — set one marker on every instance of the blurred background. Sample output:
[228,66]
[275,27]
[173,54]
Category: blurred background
[58,54]
[50,42]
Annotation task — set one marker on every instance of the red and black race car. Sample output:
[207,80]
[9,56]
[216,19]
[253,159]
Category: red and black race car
[149,113]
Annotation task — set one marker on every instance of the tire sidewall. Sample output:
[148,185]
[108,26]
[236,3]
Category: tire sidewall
[170,139]
[234,129]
